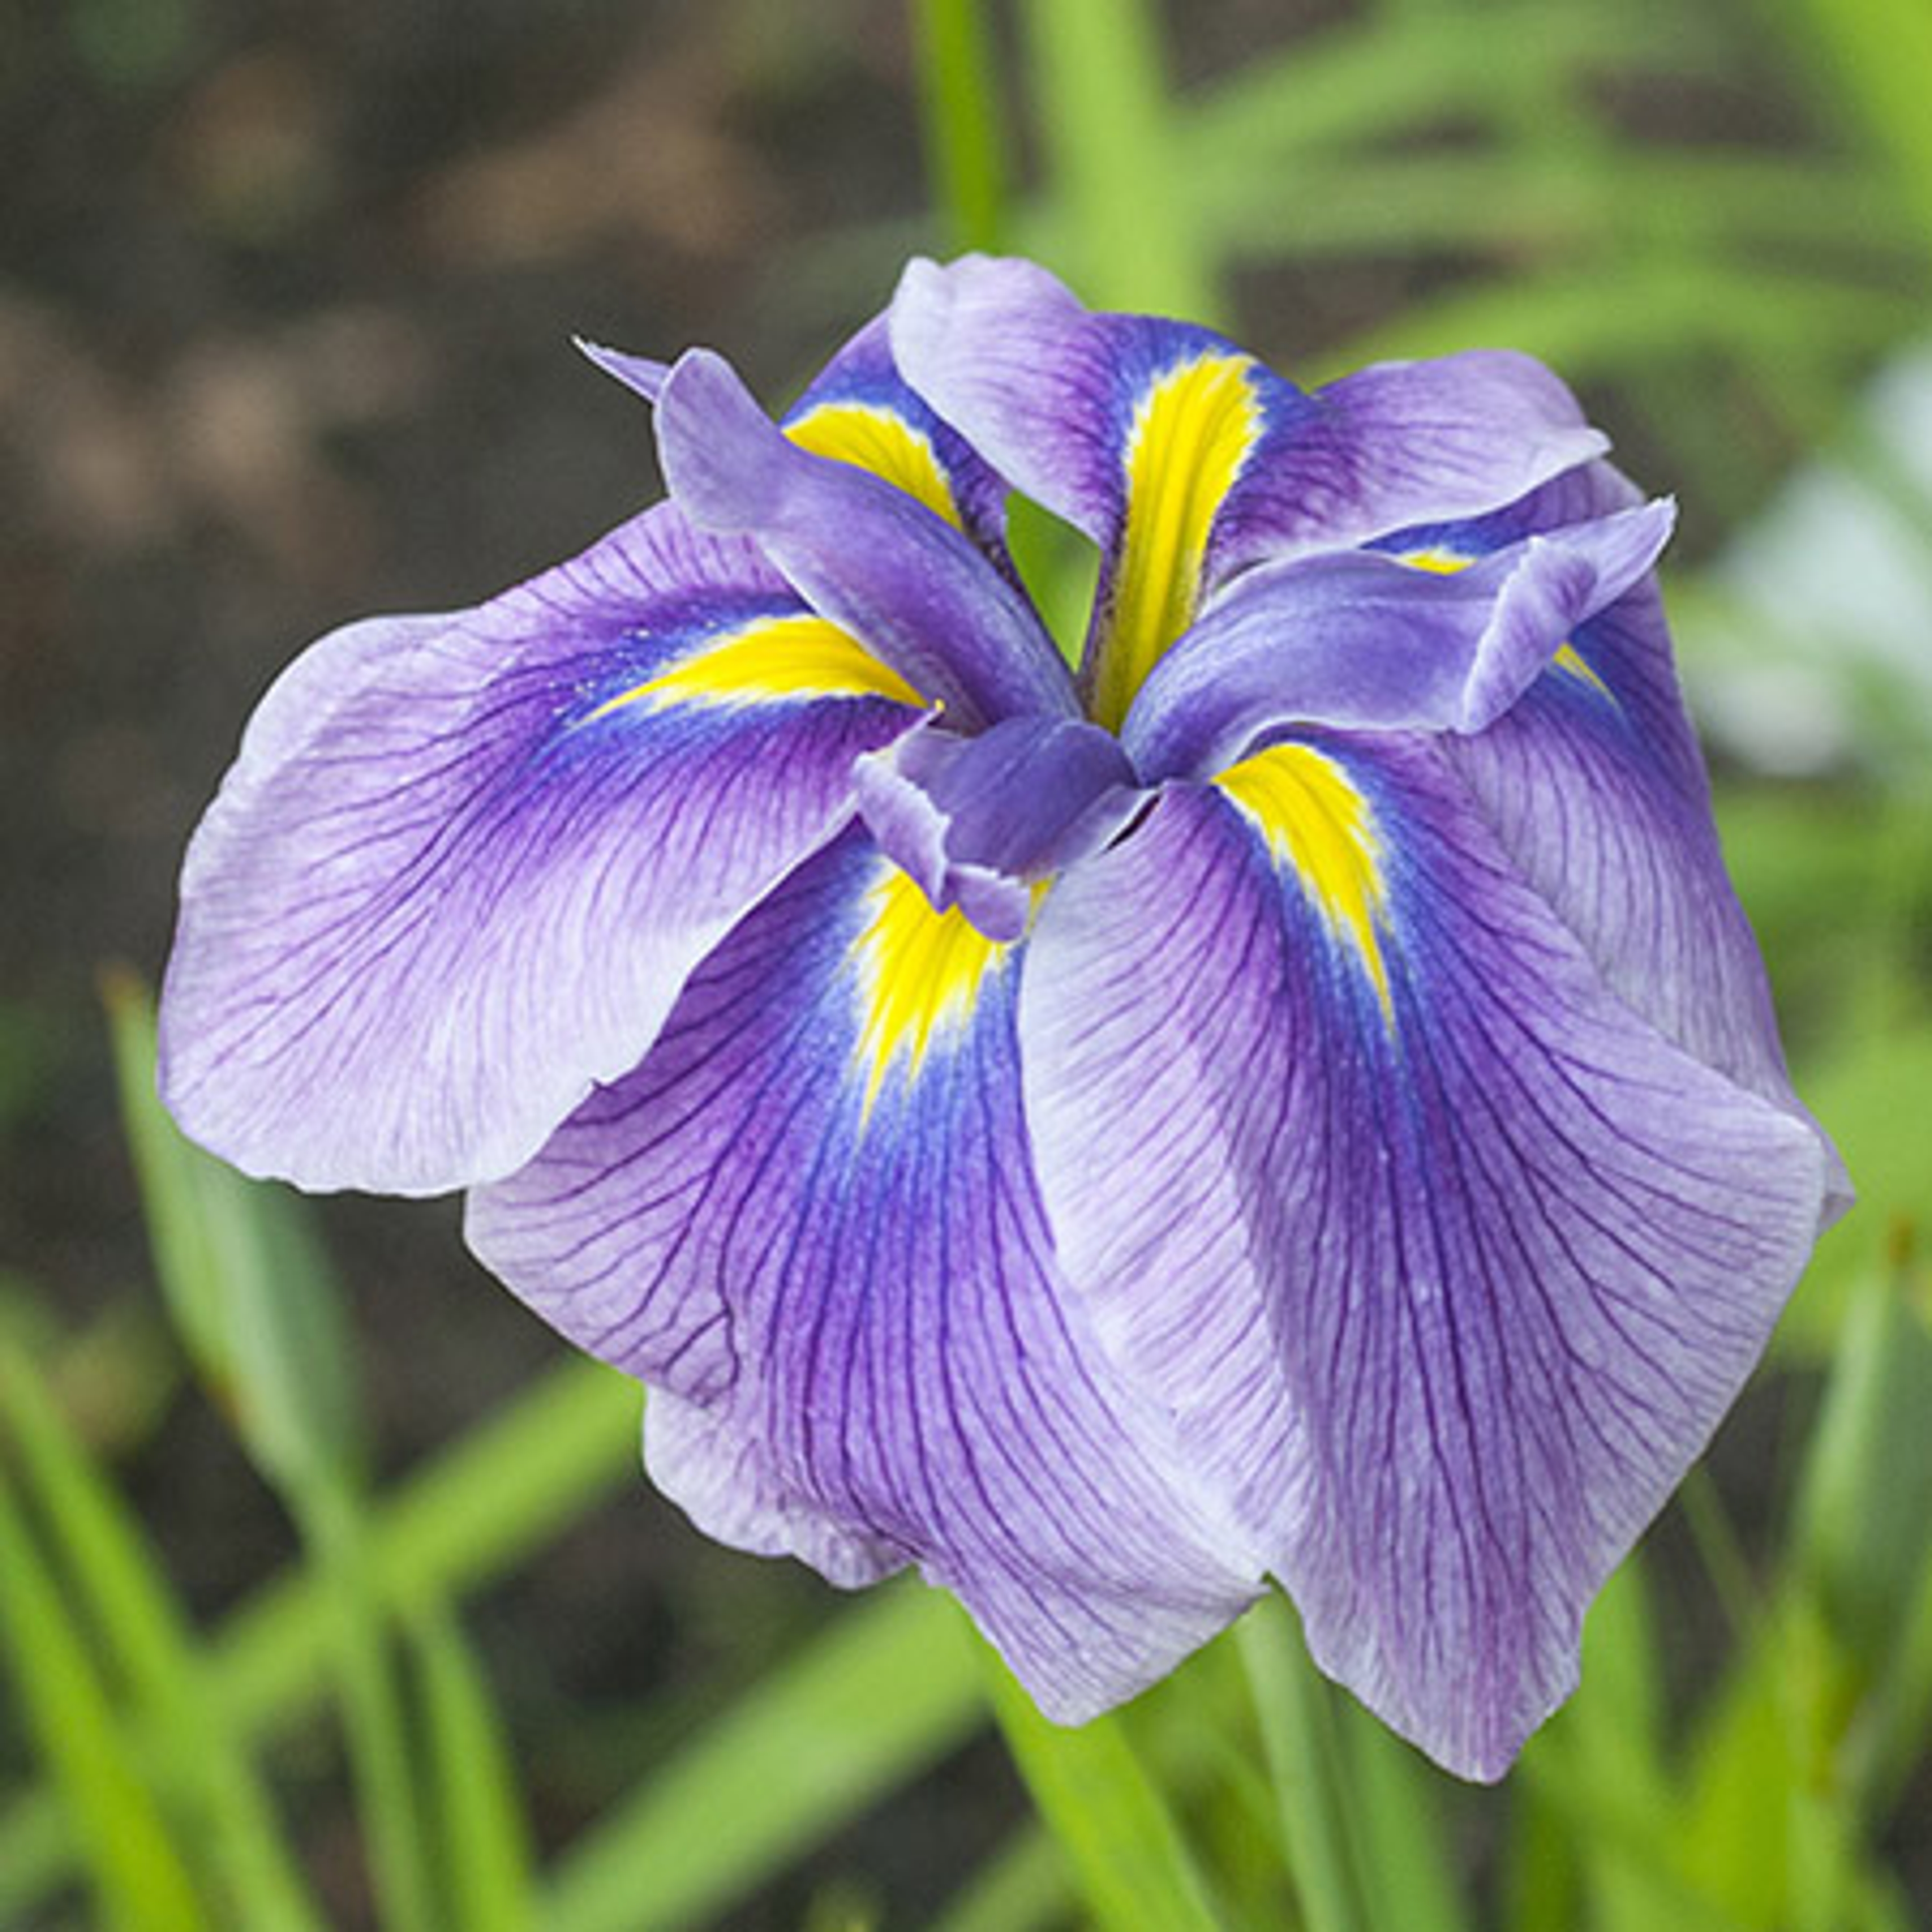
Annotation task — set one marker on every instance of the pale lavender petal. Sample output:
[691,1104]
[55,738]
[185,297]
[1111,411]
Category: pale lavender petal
[1400,444]
[1595,785]
[462,864]
[641,374]
[915,589]
[1047,389]
[978,821]
[838,1267]
[1447,1263]
[1358,639]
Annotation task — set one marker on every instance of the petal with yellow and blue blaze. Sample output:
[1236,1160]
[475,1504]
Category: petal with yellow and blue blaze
[1134,430]
[1188,461]
[867,550]
[462,864]
[1447,1263]
[809,1221]
[858,409]
[1593,782]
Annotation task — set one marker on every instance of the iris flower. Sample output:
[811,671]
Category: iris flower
[1295,1099]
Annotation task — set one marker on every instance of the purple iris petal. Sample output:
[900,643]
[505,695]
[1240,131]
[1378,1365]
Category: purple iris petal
[1046,389]
[1356,639]
[1405,443]
[852,1293]
[461,869]
[862,378]
[1447,1285]
[640,374]
[1594,785]
[978,821]
[915,590]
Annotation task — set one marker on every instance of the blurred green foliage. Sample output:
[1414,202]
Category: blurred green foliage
[1472,172]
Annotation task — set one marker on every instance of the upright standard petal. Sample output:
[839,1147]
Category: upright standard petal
[1188,461]
[810,1217]
[861,548]
[462,864]
[1471,1259]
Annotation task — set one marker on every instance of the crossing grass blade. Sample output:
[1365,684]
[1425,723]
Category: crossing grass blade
[887,1691]
[1122,1845]
[476,1510]
[1594,322]
[1372,80]
[140,1879]
[122,1596]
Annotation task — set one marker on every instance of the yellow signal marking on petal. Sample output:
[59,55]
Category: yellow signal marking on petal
[1192,432]
[888,445]
[768,661]
[1437,562]
[1446,562]
[1569,658]
[1314,818]
[919,972]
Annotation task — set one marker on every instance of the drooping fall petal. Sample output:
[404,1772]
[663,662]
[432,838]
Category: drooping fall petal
[810,1216]
[1446,1262]
[1594,783]
[463,864]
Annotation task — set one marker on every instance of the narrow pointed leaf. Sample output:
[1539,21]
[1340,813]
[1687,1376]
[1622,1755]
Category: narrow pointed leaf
[126,1599]
[244,1279]
[1121,1843]
[488,1870]
[959,98]
[890,1688]
[1098,72]
[139,1875]
[1294,1706]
